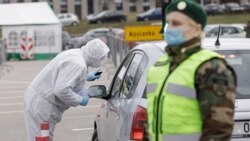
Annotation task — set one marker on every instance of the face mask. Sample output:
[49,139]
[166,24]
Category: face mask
[173,36]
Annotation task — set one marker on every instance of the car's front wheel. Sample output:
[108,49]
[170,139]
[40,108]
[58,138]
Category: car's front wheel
[95,136]
[74,24]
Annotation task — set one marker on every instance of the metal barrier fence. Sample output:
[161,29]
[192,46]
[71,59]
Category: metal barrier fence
[3,64]
[118,48]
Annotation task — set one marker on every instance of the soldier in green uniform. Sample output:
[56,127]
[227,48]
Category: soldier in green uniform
[190,91]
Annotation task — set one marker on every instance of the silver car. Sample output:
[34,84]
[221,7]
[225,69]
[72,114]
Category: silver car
[227,31]
[68,19]
[123,114]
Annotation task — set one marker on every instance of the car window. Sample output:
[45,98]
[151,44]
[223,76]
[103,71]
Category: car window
[117,81]
[149,11]
[214,32]
[115,13]
[129,79]
[158,11]
[60,17]
[110,13]
[100,32]
[229,30]
[239,60]
[102,14]
[68,16]
[239,30]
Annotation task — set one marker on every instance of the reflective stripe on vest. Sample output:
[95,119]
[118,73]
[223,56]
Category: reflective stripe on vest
[180,137]
[174,89]
[181,90]
[151,87]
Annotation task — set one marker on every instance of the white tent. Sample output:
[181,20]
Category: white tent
[30,30]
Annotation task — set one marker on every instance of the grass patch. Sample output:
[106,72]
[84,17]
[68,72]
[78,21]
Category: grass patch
[229,19]
[218,19]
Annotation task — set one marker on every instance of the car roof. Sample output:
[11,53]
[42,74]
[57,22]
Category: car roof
[105,30]
[209,43]
[227,44]
[152,49]
[100,29]
[217,25]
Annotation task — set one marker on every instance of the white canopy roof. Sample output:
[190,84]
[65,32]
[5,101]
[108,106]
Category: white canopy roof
[27,14]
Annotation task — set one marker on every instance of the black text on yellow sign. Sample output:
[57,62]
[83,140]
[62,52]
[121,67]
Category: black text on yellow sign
[143,33]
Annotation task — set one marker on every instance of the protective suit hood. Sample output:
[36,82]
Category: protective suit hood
[95,52]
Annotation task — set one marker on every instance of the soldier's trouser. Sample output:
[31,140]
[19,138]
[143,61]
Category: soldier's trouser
[36,111]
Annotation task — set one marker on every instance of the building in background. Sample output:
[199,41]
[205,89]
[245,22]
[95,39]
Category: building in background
[82,8]
[223,1]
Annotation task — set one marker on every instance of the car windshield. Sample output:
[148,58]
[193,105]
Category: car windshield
[149,11]
[102,14]
[239,60]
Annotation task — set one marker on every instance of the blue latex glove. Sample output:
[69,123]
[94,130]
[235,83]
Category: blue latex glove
[84,101]
[94,75]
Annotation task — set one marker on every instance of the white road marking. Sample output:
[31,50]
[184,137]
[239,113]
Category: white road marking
[12,91]
[15,82]
[10,104]
[82,129]
[10,112]
[11,97]
[13,87]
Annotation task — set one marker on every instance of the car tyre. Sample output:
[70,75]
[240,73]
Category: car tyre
[74,24]
[95,136]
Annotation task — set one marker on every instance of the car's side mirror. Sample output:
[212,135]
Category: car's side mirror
[98,91]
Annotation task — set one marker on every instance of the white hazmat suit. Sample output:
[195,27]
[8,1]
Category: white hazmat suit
[57,86]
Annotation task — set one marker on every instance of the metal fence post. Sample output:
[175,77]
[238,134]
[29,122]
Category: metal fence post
[1,58]
[115,50]
[126,48]
[119,48]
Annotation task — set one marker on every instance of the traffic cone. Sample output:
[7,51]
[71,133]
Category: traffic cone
[42,138]
[44,129]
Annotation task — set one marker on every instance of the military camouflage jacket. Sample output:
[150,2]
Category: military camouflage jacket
[215,83]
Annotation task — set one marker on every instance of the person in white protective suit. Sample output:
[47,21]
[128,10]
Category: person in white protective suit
[60,85]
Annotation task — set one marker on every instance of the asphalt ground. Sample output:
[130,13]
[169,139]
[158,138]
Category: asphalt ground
[76,124]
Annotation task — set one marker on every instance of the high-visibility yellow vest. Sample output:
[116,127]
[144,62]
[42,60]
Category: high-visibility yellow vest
[173,109]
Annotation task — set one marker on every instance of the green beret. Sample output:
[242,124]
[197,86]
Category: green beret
[190,8]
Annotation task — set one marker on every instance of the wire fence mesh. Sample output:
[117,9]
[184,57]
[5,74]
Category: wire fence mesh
[4,68]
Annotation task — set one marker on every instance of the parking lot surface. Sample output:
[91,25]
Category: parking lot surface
[76,124]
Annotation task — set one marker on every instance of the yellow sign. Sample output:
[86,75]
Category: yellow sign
[143,33]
